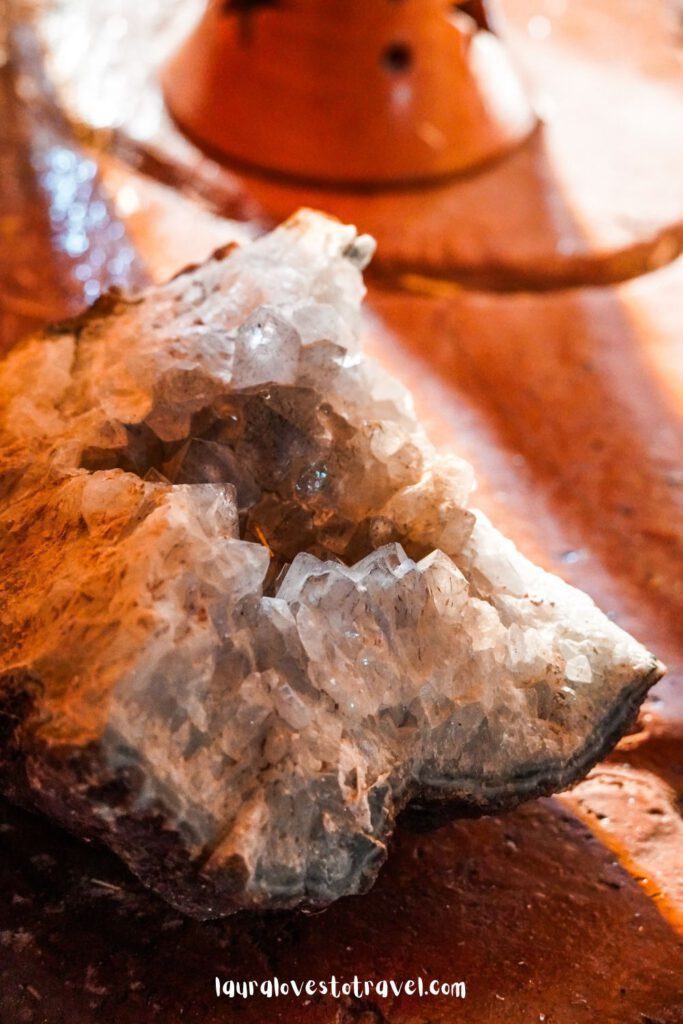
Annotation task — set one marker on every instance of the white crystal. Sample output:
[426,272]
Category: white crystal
[236,570]
[578,670]
[266,350]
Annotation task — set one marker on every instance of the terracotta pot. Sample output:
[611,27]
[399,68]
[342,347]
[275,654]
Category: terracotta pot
[350,92]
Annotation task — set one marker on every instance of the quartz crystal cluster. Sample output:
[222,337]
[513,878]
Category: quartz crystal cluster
[247,614]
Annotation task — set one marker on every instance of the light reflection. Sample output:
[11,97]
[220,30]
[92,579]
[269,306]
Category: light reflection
[83,225]
[92,289]
[106,61]
[83,272]
[539,27]
[127,200]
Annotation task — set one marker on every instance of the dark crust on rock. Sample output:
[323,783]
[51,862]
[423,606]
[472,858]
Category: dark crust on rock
[431,809]
[163,861]
[101,307]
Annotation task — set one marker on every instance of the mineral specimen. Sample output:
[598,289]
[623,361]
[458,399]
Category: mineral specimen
[246,612]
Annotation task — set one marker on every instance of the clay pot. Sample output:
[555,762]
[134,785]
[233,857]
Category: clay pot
[347,92]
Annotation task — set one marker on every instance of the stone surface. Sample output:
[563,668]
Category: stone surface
[249,613]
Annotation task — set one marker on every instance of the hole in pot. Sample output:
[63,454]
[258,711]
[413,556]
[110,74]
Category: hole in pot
[397,57]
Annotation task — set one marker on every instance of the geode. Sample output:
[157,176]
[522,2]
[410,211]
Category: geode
[247,614]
